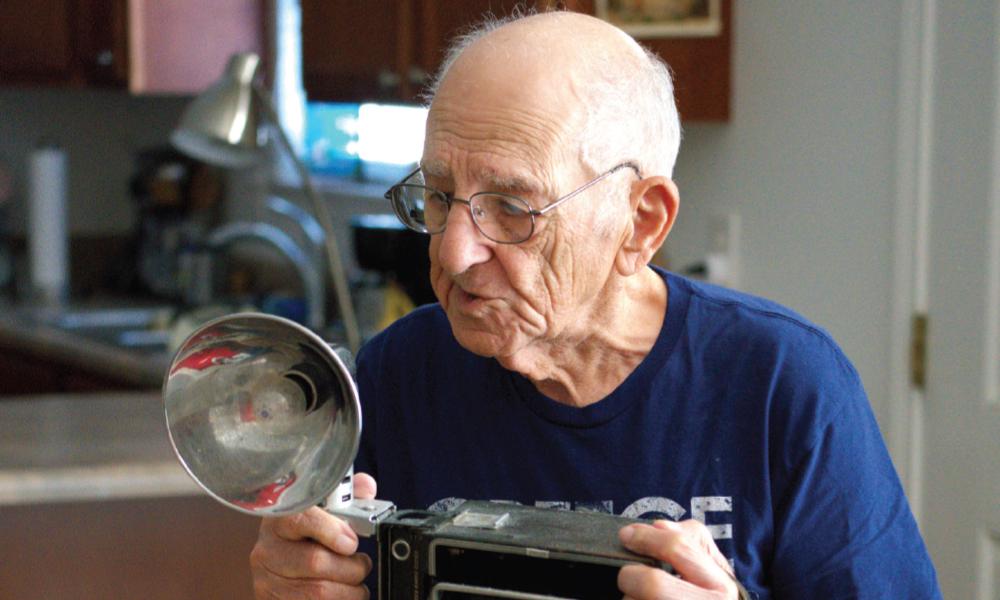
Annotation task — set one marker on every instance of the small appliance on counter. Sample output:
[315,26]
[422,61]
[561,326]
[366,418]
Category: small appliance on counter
[179,200]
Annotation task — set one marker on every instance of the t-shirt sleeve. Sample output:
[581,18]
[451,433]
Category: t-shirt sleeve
[843,527]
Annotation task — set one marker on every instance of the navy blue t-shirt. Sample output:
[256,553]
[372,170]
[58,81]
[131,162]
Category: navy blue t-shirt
[743,415]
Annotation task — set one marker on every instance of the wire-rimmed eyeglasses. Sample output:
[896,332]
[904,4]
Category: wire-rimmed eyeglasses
[503,218]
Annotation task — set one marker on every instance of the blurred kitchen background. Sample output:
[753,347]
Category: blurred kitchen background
[840,158]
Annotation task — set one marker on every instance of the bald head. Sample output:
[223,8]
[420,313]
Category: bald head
[614,98]
[562,45]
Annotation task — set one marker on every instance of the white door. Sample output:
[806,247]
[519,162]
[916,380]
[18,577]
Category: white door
[960,472]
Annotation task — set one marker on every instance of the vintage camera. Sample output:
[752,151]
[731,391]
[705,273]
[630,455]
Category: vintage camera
[265,417]
[493,550]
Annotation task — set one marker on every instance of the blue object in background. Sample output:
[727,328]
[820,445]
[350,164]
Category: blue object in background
[331,140]
[370,141]
[289,307]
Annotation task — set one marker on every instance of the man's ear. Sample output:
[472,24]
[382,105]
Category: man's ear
[654,202]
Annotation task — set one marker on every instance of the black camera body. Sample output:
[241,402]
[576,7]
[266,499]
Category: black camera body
[499,550]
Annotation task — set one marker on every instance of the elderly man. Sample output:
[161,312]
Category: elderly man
[559,369]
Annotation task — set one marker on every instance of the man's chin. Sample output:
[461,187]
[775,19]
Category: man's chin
[479,340]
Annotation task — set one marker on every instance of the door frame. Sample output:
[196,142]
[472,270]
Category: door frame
[911,261]
[914,152]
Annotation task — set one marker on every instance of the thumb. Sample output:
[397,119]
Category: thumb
[364,486]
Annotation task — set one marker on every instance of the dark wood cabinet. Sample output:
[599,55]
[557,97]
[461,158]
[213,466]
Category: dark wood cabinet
[40,52]
[146,46]
[102,42]
[385,50]
[75,42]
[380,50]
[353,50]
[700,66]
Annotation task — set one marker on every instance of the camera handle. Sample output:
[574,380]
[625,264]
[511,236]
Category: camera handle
[362,515]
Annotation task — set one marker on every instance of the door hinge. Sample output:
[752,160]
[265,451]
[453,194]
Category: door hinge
[918,351]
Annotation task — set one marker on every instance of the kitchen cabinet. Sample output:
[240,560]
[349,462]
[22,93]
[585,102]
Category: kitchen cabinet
[74,42]
[700,66]
[381,50]
[385,50]
[146,46]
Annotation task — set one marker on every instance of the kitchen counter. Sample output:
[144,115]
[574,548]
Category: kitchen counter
[93,505]
[87,447]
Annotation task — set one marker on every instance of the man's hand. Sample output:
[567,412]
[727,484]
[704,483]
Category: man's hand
[311,555]
[702,571]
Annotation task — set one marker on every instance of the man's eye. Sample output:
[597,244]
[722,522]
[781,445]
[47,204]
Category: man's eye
[512,208]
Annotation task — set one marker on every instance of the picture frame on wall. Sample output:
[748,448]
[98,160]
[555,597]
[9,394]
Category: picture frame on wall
[663,18]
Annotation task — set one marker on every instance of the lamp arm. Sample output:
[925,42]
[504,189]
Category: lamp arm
[340,285]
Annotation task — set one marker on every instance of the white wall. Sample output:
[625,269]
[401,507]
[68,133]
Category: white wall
[101,132]
[807,160]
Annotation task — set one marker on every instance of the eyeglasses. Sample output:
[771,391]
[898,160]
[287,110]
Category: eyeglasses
[503,218]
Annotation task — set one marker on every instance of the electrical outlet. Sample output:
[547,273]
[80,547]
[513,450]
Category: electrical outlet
[723,259]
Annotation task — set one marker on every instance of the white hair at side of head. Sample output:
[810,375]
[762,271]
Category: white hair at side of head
[630,112]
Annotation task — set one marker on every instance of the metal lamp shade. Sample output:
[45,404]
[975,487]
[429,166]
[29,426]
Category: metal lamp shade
[262,413]
[220,125]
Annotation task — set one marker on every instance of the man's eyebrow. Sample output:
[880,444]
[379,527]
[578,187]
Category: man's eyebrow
[501,182]
[493,179]
[436,168]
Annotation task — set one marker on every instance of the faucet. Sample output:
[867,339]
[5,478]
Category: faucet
[308,267]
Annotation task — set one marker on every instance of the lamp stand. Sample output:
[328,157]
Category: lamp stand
[322,214]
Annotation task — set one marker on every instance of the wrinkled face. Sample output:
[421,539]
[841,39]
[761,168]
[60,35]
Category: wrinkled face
[486,135]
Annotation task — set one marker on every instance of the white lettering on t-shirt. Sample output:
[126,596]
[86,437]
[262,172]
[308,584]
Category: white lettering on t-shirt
[703,504]
[652,506]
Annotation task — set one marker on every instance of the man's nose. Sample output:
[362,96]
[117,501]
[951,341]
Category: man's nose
[462,246]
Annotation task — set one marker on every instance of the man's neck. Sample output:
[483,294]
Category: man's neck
[593,357]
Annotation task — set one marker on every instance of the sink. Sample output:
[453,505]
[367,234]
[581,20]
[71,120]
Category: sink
[145,329]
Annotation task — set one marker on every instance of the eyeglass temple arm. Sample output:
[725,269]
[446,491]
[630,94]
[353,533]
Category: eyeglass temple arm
[388,192]
[541,211]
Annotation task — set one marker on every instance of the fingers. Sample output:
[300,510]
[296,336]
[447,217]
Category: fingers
[312,554]
[639,581]
[314,524]
[308,555]
[309,560]
[364,486]
[269,586]
[696,537]
[688,547]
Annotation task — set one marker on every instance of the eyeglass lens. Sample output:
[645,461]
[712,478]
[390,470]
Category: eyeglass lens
[501,218]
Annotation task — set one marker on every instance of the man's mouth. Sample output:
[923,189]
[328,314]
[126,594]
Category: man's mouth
[466,299]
